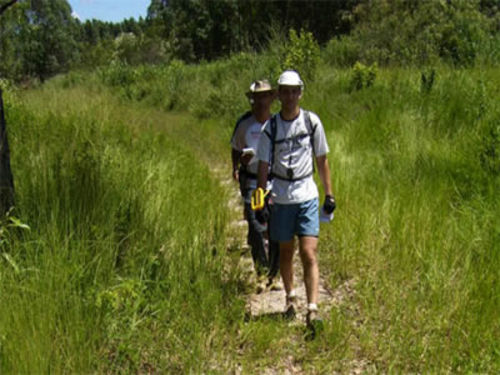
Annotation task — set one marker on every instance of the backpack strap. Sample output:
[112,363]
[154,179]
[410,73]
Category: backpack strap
[274,131]
[272,139]
[311,130]
[272,136]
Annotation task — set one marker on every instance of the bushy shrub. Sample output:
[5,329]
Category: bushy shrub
[461,35]
[174,80]
[96,55]
[118,74]
[363,76]
[404,32]
[131,49]
[125,46]
[5,84]
[342,52]
[302,54]
[218,103]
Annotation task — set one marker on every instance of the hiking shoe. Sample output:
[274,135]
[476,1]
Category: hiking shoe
[290,310]
[261,285]
[274,285]
[314,323]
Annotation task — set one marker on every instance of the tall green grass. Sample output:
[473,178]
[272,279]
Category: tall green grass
[122,267]
[128,274]
[417,178]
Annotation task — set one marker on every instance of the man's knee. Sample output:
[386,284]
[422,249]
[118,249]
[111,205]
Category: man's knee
[308,254]
[309,259]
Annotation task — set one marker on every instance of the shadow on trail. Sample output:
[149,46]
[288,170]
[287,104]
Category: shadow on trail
[265,317]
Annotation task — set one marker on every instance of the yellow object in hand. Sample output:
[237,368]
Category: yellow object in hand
[258,199]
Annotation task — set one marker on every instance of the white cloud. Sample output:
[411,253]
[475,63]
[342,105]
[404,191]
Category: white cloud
[75,15]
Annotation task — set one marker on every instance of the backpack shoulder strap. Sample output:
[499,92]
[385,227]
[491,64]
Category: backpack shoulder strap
[274,128]
[274,131]
[311,129]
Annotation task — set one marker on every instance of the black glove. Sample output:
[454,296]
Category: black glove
[329,205]
[262,216]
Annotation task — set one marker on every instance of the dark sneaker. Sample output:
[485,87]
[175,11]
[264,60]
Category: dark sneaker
[314,324]
[290,310]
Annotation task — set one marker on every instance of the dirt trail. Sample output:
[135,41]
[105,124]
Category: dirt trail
[273,302]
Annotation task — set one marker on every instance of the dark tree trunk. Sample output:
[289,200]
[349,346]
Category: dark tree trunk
[6,180]
[4,7]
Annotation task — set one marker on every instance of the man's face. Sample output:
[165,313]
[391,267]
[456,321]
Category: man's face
[262,100]
[289,96]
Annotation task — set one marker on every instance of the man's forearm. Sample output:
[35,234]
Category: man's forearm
[324,174]
[235,158]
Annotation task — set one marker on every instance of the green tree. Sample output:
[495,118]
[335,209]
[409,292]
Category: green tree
[10,22]
[48,38]
[400,31]
[206,29]
[37,39]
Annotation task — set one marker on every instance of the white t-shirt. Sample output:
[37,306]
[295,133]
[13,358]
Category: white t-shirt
[246,135]
[294,153]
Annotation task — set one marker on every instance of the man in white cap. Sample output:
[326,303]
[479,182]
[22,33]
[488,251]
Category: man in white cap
[292,140]
[244,142]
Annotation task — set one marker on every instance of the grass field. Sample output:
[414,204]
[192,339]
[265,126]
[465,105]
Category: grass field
[124,268]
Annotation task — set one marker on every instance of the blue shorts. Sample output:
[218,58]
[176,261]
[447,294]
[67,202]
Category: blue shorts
[301,219]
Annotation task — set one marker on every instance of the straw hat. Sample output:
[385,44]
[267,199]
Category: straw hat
[261,85]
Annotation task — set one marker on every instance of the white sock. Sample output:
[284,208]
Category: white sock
[312,307]
[292,294]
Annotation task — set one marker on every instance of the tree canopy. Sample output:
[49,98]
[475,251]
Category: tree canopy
[40,38]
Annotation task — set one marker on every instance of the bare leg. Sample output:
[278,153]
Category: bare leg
[286,264]
[308,246]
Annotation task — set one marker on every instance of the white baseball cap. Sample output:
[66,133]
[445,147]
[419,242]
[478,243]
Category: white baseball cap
[290,78]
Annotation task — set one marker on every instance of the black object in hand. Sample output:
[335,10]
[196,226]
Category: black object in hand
[329,205]
[262,216]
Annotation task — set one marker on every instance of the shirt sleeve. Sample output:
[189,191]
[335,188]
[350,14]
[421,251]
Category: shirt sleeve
[264,146]
[238,139]
[320,144]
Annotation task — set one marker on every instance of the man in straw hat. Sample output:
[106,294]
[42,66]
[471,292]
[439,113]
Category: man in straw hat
[244,143]
[292,141]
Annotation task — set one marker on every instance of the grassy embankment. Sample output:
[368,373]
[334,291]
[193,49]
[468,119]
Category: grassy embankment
[122,268]
[117,239]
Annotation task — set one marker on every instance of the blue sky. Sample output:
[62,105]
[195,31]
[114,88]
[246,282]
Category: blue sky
[109,10]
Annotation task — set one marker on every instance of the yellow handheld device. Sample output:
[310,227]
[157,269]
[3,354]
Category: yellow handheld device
[258,199]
